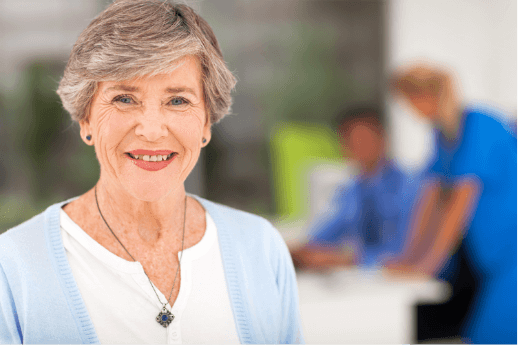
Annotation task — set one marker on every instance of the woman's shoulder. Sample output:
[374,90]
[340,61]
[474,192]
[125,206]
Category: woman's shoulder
[240,224]
[32,234]
[21,231]
[485,122]
[230,212]
[249,239]
[24,251]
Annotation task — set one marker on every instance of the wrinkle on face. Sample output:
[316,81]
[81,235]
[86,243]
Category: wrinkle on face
[102,130]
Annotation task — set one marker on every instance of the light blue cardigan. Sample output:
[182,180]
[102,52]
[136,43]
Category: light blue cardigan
[41,303]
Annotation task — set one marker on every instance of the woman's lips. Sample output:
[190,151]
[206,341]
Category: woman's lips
[150,165]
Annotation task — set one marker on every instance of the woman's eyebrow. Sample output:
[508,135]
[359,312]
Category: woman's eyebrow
[128,88]
[122,87]
[180,90]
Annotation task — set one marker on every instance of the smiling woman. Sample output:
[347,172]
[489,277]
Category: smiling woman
[136,259]
[153,123]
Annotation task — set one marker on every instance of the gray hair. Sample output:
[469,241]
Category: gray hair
[134,38]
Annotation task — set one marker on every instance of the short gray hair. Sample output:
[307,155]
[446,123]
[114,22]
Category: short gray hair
[134,38]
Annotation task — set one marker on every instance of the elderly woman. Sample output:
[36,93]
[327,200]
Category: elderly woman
[136,259]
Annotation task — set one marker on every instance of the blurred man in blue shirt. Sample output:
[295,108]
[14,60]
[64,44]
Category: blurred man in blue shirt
[370,213]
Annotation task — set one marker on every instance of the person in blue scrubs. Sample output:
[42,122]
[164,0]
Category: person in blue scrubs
[475,169]
[370,213]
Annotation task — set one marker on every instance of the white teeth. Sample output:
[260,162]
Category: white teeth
[156,158]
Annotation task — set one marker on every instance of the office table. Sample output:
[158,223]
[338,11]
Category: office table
[363,306]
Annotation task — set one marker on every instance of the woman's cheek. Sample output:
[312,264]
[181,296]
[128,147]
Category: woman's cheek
[111,132]
[102,121]
[188,133]
[426,104]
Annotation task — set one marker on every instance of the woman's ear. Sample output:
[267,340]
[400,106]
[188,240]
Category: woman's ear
[207,134]
[207,131]
[85,132]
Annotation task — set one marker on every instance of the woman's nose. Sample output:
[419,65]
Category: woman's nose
[151,125]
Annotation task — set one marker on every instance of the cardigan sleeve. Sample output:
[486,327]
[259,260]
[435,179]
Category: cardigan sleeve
[291,329]
[10,330]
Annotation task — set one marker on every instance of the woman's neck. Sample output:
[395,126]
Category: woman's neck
[450,116]
[148,221]
[450,126]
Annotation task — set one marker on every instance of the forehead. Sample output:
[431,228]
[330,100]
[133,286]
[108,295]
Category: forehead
[360,126]
[184,74]
[362,129]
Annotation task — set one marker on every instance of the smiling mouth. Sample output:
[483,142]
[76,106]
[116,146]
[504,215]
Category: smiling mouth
[154,158]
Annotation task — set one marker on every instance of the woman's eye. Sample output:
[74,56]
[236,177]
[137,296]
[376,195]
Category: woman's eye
[123,99]
[178,101]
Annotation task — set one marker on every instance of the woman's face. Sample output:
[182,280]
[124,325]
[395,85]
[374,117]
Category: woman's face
[148,131]
[426,104]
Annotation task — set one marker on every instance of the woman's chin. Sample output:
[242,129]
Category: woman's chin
[149,186]
[149,193]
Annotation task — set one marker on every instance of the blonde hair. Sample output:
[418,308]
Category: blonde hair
[134,38]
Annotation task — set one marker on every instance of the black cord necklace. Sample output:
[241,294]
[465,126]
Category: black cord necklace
[165,317]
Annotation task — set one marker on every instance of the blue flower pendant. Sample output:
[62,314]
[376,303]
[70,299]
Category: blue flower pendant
[165,317]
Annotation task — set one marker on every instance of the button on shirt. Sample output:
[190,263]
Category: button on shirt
[371,214]
[123,305]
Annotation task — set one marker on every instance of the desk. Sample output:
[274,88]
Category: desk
[353,306]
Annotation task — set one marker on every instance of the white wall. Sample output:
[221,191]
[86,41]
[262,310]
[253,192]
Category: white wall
[45,29]
[476,38]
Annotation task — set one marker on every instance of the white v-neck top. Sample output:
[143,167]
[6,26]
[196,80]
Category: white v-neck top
[123,305]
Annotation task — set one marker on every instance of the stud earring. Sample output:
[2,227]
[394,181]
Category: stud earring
[203,141]
[88,137]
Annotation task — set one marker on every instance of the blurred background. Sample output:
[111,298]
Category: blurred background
[298,64]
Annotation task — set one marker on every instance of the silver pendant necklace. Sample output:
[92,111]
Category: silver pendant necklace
[165,317]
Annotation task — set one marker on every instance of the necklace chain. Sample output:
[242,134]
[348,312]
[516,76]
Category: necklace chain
[183,237]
